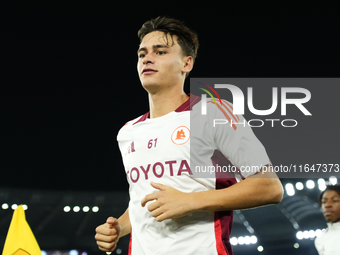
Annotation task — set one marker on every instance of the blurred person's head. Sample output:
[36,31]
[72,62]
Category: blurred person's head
[330,203]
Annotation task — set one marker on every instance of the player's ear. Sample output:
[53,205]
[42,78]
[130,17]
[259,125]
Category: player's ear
[188,64]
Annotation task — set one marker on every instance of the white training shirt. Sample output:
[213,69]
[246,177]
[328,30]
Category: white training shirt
[159,150]
[328,242]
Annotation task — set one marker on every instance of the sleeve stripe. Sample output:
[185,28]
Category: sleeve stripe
[225,105]
[225,102]
[224,113]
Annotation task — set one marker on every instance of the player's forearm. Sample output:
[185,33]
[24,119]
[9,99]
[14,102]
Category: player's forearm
[252,192]
[125,225]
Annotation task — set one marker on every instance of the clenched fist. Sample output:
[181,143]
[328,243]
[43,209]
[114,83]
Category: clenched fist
[108,235]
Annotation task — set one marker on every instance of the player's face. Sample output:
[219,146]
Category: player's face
[330,205]
[161,63]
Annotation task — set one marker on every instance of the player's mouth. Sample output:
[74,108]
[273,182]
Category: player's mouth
[149,71]
[327,213]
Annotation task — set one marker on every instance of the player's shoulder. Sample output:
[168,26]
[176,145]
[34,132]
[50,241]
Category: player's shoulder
[322,236]
[220,106]
[127,129]
[134,121]
[217,109]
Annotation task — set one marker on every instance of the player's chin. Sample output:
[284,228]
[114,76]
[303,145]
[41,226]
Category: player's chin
[329,218]
[151,87]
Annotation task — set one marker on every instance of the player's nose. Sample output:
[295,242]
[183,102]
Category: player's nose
[148,59]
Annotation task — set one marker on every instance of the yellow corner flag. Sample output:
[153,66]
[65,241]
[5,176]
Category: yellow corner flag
[20,239]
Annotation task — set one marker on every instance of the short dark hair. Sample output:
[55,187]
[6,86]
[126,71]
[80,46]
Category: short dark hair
[186,38]
[335,187]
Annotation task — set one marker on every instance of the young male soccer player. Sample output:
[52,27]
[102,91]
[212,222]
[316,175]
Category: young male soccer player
[170,210]
[328,242]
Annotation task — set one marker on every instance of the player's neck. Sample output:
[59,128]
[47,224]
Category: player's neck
[163,103]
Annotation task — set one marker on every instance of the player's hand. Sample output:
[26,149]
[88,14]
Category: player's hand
[108,235]
[170,203]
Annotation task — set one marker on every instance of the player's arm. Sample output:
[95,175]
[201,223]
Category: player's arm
[108,234]
[260,189]
[124,222]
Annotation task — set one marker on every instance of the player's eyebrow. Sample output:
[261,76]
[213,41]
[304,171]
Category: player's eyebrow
[156,46]
[332,197]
